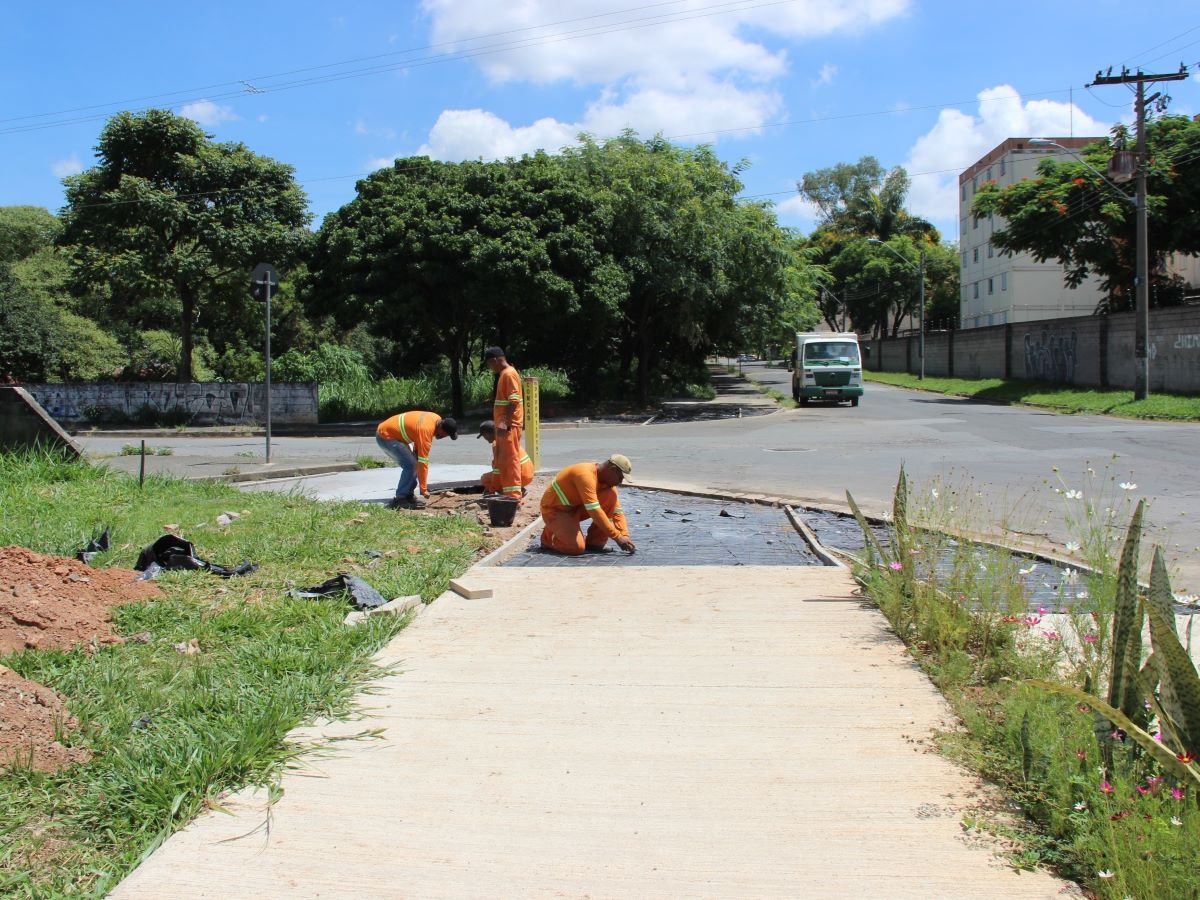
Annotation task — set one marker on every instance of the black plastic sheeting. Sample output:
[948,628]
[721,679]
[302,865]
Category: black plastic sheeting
[362,595]
[93,548]
[172,552]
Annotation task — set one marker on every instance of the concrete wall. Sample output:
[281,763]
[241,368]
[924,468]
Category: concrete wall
[1084,350]
[193,404]
[23,424]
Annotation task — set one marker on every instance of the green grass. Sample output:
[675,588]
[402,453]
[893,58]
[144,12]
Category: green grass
[967,624]
[217,719]
[365,399]
[1052,395]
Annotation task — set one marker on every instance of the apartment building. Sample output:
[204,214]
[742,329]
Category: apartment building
[996,288]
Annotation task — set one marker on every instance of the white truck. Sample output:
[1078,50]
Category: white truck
[826,366]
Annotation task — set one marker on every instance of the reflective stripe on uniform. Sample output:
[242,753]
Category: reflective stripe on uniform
[590,506]
[424,459]
[403,433]
[510,487]
[561,496]
[524,459]
[499,403]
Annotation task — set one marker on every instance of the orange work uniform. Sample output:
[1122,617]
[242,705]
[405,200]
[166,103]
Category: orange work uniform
[417,429]
[491,480]
[507,447]
[577,494]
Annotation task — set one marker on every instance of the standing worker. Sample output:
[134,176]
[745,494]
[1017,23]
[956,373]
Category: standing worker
[491,480]
[581,491]
[508,413]
[406,438]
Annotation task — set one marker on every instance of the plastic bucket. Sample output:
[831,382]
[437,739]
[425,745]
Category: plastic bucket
[502,511]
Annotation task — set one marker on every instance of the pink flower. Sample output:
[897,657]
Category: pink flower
[1158,736]
[1177,793]
[895,566]
[1083,707]
[1143,790]
[1105,787]
[1042,610]
[1032,620]
[1051,635]
[1090,638]
[1081,754]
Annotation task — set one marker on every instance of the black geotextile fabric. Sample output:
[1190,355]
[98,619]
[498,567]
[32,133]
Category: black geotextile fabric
[172,552]
[362,595]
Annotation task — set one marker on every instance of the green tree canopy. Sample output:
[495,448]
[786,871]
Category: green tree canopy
[169,220]
[1068,213]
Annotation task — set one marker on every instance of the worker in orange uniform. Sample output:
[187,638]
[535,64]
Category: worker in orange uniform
[508,413]
[406,438]
[491,480]
[581,491]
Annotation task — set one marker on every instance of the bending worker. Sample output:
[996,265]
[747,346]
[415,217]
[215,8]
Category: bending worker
[508,413]
[491,480]
[581,491]
[406,438]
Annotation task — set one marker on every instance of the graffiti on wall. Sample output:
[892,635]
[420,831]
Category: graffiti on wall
[1050,354]
[196,404]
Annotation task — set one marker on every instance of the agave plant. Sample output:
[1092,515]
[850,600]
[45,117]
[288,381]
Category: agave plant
[1168,680]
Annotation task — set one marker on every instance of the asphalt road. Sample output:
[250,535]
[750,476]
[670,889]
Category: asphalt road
[996,465]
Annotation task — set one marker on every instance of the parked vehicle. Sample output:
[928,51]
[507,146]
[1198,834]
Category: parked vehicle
[826,366]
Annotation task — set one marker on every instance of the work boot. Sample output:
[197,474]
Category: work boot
[590,548]
[399,503]
[417,503]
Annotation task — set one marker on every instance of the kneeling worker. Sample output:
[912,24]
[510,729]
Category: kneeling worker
[406,438]
[581,491]
[491,480]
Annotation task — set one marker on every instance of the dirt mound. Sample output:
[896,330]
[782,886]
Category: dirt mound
[49,601]
[473,504]
[31,718]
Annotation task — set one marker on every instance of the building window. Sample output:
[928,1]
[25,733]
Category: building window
[962,192]
[1004,281]
[1003,166]
[975,290]
[991,286]
[975,255]
[974,183]
[989,173]
[975,222]
[991,253]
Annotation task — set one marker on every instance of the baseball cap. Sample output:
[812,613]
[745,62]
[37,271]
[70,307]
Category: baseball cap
[485,425]
[622,462]
[493,353]
[450,427]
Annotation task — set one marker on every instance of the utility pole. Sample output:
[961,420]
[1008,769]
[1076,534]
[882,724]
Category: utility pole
[1141,344]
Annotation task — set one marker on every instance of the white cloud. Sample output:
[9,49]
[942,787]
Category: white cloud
[381,162]
[263,117]
[205,112]
[698,107]
[64,167]
[674,69]
[824,76]
[361,127]
[798,212]
[959,139]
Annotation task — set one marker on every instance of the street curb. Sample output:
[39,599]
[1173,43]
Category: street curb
[278,474]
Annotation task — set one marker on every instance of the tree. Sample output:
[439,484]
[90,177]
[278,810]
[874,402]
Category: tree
[169,217]
[859,202]
[439,256]
[1069,214]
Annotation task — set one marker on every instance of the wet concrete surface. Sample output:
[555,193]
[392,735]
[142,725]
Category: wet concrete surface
[674,530]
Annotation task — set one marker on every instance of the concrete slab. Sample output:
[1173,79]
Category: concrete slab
[377,485]
[669,732]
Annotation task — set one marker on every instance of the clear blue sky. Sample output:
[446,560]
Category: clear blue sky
[789,86]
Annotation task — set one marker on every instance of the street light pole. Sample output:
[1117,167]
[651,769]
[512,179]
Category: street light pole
[920,267]
[1141,328]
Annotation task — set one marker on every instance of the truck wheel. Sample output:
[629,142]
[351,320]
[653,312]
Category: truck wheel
[803,401]
[795,390]
[854,401]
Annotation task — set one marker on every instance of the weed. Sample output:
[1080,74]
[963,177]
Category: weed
[369,462]
[136,450]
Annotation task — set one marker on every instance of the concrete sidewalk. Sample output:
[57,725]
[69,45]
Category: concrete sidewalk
[670,732]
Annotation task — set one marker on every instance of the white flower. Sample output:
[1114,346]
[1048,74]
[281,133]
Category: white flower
[1070,577]
[1080,806]
[1176,821]
[1104,873]
[1058,490]
[1091,471]
[1073,495]
[1027,571]
[1071,547]
[934,493]
[1082,595]
[1127,486]
[1186,599]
